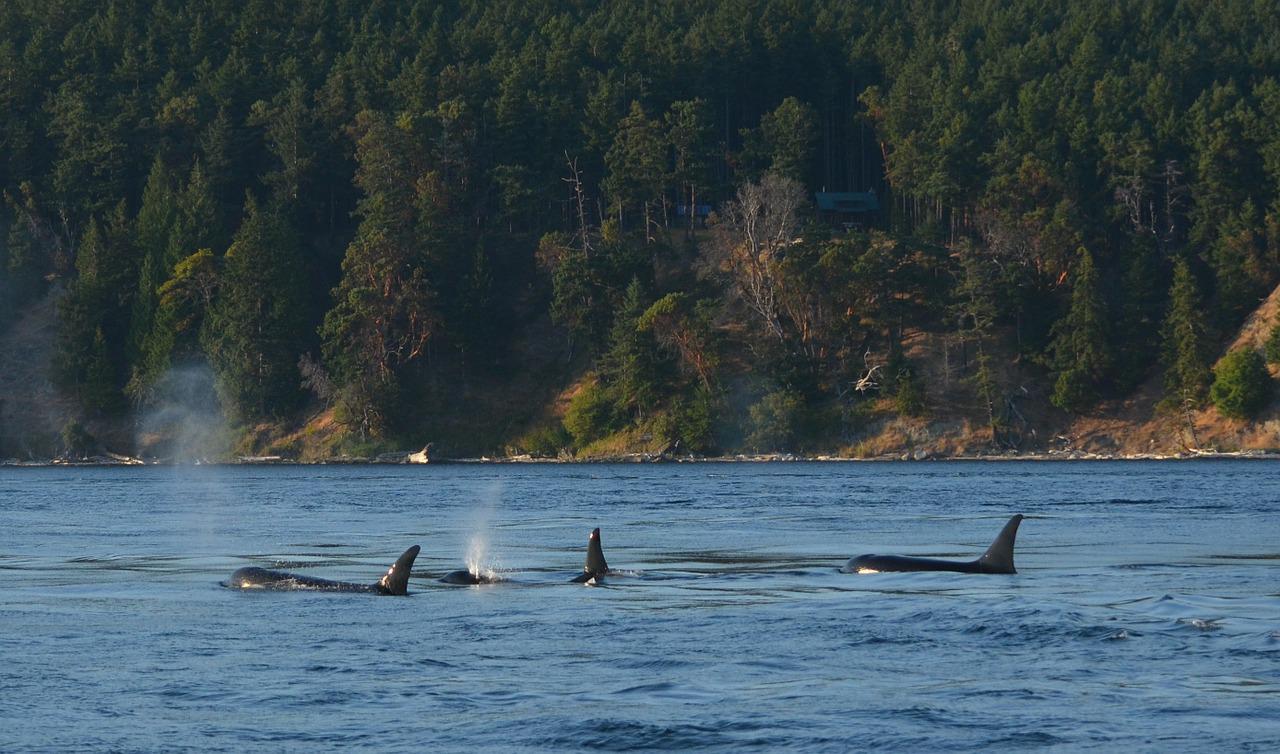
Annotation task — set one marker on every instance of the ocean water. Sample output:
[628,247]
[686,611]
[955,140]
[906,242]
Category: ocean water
[1145,615]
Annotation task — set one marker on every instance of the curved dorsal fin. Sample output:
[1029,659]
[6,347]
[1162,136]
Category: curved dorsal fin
[595,555]
[396,581]
[999,556]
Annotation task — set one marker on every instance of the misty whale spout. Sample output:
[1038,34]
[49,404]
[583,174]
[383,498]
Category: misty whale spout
[997,559]
[395,582]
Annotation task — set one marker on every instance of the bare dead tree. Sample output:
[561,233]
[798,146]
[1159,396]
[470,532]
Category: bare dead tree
[752,237]
[583,232]
[870,379]
[1174,194]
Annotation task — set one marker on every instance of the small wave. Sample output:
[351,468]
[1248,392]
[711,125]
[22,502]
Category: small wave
[1201,624]
[1112,501]
[1028,739]
[328,669]
[661,663]
[1235,685]
[630,735]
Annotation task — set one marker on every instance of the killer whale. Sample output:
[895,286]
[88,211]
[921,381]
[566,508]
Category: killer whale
[466,577]
[395,582]
[595,568]
[997,559]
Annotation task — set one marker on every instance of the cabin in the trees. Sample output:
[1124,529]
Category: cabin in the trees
[847,209]
[700,212]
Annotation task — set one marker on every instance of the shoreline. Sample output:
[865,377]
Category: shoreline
[648,458]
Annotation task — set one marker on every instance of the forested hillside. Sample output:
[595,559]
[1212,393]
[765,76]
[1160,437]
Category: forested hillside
[702,226]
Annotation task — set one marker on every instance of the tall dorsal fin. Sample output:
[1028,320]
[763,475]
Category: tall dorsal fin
[595,555]
[396,581]
[999,556]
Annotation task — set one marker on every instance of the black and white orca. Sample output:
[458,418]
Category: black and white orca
[997,559]
[596,568]
[395,582]
[468,577]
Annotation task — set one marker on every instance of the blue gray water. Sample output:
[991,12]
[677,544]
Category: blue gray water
[1145,614]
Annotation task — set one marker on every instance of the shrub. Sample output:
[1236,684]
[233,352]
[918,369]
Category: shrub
[690,424]
[908,394]
[591,414]
[1272,347]
[1241,385]
[775,421]
[545,441]
[76,439]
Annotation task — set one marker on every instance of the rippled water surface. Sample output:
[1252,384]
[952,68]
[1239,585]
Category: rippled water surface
[1145,614]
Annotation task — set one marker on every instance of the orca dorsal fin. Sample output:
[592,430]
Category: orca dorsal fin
[596,565]
[396,582]
[999,556]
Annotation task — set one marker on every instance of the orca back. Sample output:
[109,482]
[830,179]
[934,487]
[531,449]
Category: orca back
[999,556]
[396,582]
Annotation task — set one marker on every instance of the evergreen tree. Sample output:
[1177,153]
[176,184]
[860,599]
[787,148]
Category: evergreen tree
[384,311]
[93,316]
[289,127]
[1140,306]
[633,368]
[636,166]
[689,130]
[153,227]
[256,329]
[783,144]
[1186,344]
[185,300]
[1241,272]
[1082,354]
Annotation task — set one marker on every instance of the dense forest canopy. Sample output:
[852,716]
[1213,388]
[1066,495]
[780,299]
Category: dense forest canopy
[340,203]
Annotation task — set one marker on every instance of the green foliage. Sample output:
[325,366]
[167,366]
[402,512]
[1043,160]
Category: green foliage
[686,330]
[902,381]
[1241,384]
[1143,289]
[545,441]
[418,150]
[635,165]
[385,308]
[94,317]
[1082,353]
[588,286]
[591,415]
[153,226]
[255,330]
[691,133]
[690,423]
[1186,344]
[25,254]
[909,398]
[783,144]
[1242,272]
[1272,346]
[76,440]
[777,422]
[633,368]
